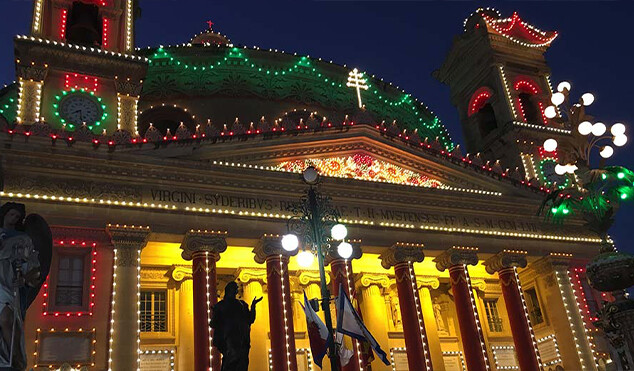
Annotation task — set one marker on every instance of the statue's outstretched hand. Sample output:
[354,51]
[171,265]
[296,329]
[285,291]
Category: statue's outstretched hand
[255,301]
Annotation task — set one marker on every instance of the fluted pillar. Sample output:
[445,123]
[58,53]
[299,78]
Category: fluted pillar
[374,310]
[182,277]
[203,248]
[505,264]
[456,260]
[253,281]
[128,241]
[341,270]
[402,257]
[283,352]
[425,285]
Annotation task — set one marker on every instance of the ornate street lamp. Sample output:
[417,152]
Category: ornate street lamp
[312,218]
[596,196]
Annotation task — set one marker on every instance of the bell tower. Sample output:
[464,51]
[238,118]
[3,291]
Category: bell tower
[500,84]
[78,68]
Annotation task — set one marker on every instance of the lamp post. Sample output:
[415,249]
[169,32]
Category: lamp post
[311,219]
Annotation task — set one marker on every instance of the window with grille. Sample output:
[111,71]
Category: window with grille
[534,310]
[70,280]
[153,311]
[493,317]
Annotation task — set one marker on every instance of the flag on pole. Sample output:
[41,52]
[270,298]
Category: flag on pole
[349,323]
[317,333]
[345,354]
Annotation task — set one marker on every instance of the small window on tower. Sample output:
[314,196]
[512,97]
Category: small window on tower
[84,24]
[486,120]
[532,113]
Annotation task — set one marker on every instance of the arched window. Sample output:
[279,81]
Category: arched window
[531,109]
[84,24]
[481,111]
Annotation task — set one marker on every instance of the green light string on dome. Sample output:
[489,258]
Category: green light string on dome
[304,63]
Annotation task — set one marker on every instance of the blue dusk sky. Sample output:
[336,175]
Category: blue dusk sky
[403,42]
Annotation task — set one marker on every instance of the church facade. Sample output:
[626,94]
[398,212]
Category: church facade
[169,171]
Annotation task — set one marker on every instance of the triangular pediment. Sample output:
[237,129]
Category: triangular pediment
[356,153]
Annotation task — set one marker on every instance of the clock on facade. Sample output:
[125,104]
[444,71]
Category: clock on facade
[77,107]
[547,168]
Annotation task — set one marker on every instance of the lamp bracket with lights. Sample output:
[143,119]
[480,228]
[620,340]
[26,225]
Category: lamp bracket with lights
[312,218]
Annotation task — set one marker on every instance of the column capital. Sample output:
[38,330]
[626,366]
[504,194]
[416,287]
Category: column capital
[270,245]
[428,281]
[128,86]
[180,273]
[456,255]
[197,241]
[308,277]
[31,72]
[369,279]
[246,275]
[356,252]
[402,252]
[128,236]
[506,259]
[551,262]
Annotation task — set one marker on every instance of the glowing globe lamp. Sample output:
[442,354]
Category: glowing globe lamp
[290,242]
[339,232]
[344,250]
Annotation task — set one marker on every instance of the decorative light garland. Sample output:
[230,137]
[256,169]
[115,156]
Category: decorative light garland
[586,332]
[78,82]
[529,168]
[104,33]
[129,23]
[419,316]
[164,351]
[37,17]
[541,38]
[478,100]
[21,100]
[309,358]
[483,347]
[545,180]
[588,316]
[531,88]
[62,28]
[91,291]
[83,48]
[505,83]
[542,127]
[459,354]
[208,297]
[247,213]
[112,307]
[138,310]
[284,312]
[304,63]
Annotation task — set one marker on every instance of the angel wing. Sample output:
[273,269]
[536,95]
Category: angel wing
[40,233]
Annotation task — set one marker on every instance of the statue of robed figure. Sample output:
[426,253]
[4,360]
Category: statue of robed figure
[231,321]
[26,248]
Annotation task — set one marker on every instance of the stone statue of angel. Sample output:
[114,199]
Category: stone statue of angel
[26,247]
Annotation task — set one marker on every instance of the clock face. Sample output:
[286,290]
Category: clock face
[79,108]
[548,170]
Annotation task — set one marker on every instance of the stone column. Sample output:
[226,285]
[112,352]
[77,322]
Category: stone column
[128,92]
[568,325]
[341,270]
[182,276]
[253,281]
[270,251]
[456,260]
[402,257]
[30,77]
[425,285]
[203,249]
[374,311]
[505,264]
[128,241]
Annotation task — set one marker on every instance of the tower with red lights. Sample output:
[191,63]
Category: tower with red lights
[499,81]
[77,70]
